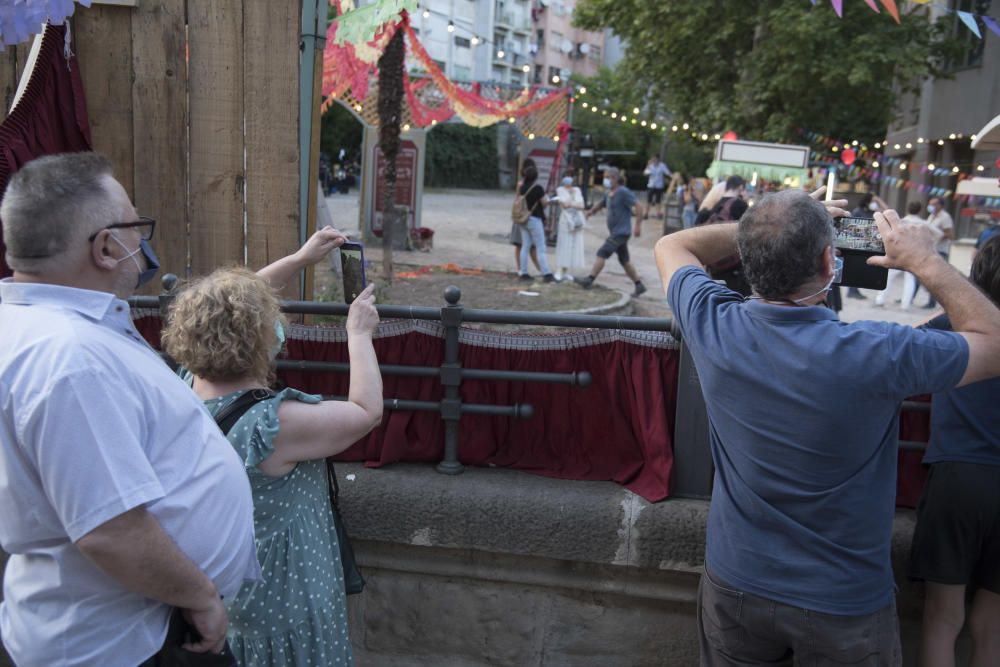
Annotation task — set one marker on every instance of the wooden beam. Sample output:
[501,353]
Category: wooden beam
[271,68]
[217,178]
[159,104]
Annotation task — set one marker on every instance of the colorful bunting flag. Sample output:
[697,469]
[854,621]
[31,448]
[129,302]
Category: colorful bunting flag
[970,22]
[890,6]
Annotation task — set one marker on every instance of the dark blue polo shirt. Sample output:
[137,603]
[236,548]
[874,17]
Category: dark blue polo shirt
[620,205]
[965,422]
[804,427]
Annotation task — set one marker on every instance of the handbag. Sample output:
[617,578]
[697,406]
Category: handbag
[519,212]
[227,418]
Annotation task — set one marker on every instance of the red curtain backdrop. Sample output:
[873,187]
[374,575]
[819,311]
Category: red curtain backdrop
[620,428]
[50,117]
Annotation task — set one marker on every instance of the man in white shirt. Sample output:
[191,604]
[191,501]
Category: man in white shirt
[123,503]
[940,220]
[657,183]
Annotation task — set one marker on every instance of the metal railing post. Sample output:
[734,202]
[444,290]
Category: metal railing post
[451,380]
[169,282]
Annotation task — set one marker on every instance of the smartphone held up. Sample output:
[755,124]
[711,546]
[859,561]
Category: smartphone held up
[352,262]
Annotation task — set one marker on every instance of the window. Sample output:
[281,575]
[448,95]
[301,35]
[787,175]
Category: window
[553,71]
[462,73]
[595,53]
[555,40]
[462,42]
[973,53]
[539,69]
[440,64]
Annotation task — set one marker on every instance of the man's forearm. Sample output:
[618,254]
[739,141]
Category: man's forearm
[133,549]
[709,243]
[969,310]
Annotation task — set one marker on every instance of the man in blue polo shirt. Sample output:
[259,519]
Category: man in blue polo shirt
[804,414]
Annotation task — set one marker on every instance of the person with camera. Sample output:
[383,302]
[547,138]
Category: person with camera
[226,331]
[125,511]
[804,415]
[956,543]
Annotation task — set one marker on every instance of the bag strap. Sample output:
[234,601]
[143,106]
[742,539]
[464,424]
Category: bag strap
[331,481]
[228,417]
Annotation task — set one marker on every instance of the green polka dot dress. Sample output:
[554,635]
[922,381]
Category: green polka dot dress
[297,615]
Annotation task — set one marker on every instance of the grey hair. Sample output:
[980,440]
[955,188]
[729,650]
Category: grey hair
[781,242]
[52,202]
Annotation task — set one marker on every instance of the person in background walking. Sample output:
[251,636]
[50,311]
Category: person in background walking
[533,231]
[516,236]
[909,280]
[569,243]
[621,204]
[657,184]
[689,203]
[940,220]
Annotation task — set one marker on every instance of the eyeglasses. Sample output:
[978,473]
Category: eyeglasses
[145,225]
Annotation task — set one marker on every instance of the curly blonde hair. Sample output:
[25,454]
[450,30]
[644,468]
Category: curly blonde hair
[221,327]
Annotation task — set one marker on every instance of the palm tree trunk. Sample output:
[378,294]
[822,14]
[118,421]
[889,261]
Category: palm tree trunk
[390,111]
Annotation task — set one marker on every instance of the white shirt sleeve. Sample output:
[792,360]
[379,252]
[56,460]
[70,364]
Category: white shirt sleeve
[85,440]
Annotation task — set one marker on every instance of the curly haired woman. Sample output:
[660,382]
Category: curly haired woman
[226,330]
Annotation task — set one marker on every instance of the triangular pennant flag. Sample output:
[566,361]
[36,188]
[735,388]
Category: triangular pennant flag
[991,24]
[970,22]
[871,3]
[838,6]
[890,6]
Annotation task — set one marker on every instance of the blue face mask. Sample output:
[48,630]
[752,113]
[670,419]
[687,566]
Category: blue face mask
[279,333]
[567,181]
[838,269]
[152,261]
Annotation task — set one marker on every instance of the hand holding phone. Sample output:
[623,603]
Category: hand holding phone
[352,262]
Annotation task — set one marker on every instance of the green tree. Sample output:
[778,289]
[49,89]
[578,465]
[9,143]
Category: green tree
[766,68]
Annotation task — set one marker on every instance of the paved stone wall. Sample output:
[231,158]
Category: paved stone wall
[496,567]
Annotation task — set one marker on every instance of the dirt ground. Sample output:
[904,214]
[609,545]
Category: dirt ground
[471,228]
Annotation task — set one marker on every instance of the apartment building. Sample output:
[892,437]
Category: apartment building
[561,50]
[931,136]
[457,34]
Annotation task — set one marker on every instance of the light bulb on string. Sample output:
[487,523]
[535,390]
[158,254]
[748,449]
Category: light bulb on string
[909,146]
[451,26]
[718,136]
[475,40]
[526,69]
[878,145]
[835,149]
[685,126]
[652,126]
[555,78]
[674,128]
[584,105]
[854,143]
[895,147]
[583,90]
[643,123]
[555,138]
[875,163]
[426,13]
[406,127]
[920,140]
[954,169]
[952,136]
[704,137]
[940,142]
[614,114]
[531,135]
[902,167]
[635,109]
[593,109]
[980,168]
[500,54]
[930,167]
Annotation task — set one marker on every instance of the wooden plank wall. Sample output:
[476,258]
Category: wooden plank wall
[196,104]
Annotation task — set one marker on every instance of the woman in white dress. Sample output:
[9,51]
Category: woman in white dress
[569,243]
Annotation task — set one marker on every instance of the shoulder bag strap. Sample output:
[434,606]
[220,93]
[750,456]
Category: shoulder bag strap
[228,417]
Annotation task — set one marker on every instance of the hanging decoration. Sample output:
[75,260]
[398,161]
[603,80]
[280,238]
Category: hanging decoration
[971,20]
[21,20]
[360,25]
[350,76]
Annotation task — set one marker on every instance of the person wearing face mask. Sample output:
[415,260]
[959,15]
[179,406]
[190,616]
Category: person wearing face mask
[803,426]
[940,220]
[226,330]
[569,242]
[126,513]
[621,204]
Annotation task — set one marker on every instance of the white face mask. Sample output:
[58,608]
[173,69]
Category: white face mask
[873,206]
[606,183]
[931,209]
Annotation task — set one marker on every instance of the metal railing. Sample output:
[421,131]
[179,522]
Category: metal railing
[692,469]
[450,372]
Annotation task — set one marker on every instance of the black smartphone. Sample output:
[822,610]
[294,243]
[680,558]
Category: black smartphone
[857,239]
[352,264]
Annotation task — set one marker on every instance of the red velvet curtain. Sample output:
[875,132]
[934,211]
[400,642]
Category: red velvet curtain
[50,117]
[620,428]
